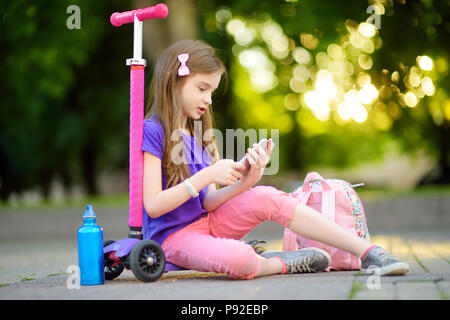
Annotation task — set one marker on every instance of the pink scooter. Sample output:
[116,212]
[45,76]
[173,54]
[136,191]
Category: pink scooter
[144,257]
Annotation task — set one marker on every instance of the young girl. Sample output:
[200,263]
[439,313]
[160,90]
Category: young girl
[199,226]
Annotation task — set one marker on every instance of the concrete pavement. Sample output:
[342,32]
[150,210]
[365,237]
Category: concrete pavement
[37,247]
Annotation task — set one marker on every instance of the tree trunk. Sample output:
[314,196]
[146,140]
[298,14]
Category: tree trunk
[444,153]
[5,177]
[181,23]
[441,172]
[89,169]
[298,160]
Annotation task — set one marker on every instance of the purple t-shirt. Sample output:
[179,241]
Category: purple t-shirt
[160,228]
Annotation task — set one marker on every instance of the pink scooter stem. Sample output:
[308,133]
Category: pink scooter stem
[159,11]
[137,80]
[137,83]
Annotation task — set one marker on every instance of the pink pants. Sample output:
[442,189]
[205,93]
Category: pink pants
[213,244]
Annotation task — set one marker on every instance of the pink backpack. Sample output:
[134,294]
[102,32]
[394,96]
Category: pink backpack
[338,202]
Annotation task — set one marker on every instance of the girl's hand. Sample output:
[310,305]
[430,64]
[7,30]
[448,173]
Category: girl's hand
[225,172]
[258,159]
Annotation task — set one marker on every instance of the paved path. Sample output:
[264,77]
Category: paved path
[36,248]
[37,271]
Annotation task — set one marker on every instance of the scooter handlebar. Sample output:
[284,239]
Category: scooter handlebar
[159,11]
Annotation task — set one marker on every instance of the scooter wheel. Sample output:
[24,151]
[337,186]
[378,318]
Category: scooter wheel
[111,271]
[147,261]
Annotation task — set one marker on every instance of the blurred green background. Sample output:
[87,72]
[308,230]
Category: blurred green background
[357,89]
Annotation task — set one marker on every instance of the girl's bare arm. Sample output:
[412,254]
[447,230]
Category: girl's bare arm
[158,202]
[215,198]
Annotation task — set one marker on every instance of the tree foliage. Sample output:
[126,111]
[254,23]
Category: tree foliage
[62,108]
[342,81]
[296,66]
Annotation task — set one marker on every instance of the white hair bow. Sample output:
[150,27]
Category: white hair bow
[183,70]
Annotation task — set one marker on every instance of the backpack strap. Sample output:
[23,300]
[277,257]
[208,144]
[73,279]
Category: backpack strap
[289,237]
[329,204]
[303,194]
[289,240]
[328,194]
[314,176]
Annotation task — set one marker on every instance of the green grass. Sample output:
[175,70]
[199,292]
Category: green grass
[25,278]
[121,200]
[442,295]
[96,201]
[355,289]
[367,193]
[57,274]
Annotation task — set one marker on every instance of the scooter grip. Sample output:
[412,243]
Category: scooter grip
[119,18]
[159,11]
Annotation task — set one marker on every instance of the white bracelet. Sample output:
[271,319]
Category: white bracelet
[190,188]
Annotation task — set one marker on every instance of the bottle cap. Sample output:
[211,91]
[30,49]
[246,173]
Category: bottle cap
[89,212]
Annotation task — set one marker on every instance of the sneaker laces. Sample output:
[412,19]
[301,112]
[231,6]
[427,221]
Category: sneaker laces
[302,265]
[381,253]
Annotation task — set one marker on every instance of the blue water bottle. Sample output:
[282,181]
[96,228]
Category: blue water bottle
[90,250]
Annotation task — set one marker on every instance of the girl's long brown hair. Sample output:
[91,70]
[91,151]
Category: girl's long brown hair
[165,101]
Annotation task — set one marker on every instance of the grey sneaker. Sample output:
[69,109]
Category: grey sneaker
[303,260]
[378,258]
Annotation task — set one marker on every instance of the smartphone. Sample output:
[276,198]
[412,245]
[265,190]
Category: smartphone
[263,144]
